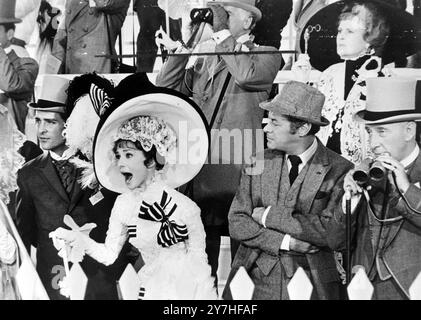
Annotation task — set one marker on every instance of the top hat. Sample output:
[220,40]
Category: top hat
[248,5]
[162,117]
[391,100]
[7,12]
[300,101]
[53,95]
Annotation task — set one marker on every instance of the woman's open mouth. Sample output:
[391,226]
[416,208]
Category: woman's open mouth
[127,176]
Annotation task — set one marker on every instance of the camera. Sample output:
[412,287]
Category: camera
[369,172]
[201,15]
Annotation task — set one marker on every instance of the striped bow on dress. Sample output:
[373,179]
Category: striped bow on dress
[170,232]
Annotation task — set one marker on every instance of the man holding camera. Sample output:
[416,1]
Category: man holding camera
[386,214]
[228,89]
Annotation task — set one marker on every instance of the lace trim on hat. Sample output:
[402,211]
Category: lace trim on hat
[149,131]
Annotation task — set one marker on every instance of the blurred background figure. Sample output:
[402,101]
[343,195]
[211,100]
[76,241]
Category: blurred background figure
[27,11]
[48,21]
[89,29]
[151,17]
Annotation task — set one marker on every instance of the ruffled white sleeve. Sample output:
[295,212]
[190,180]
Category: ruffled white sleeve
[7,246]
[106,253]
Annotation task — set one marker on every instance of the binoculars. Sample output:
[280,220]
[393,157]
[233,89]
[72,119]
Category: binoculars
[369,172]
[201,15]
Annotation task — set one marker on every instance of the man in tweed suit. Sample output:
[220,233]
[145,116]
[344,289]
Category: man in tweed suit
[279,216]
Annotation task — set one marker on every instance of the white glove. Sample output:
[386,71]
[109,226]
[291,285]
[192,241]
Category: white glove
[301,68]
[161,38]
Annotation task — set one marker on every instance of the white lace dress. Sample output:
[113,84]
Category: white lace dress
[180,271]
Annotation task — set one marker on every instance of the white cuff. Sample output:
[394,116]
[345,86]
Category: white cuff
[265,214]
[354,203]
[285,242]
[220,36]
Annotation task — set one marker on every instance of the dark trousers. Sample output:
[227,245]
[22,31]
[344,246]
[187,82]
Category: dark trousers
[151,17]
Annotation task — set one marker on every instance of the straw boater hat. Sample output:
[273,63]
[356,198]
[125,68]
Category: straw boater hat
[248,5]
[7,12]
[299,101]
[391,100]
[163,118]
[53,95]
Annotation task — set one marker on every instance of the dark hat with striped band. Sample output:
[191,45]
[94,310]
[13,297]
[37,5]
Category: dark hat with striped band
[391,100]
[53,95]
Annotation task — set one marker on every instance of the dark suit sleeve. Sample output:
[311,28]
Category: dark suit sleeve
[413,196]
[25,214]
[243,228]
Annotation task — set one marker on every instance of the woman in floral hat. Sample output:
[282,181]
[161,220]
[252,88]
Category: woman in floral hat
[144,149]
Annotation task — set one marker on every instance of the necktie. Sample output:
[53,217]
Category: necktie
[65,171]
[293,173]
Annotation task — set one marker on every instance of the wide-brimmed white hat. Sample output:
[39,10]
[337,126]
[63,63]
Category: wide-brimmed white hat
[179,113]
[391,100]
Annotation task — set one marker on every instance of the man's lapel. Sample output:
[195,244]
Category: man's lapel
[77,191]
[316,173]
[271,178]
[50,175]
[214,66]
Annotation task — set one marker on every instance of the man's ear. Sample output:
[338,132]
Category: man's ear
[304,129]
[248,23]
[10,34]
[411,130]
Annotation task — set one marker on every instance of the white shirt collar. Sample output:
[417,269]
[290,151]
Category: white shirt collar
[65,156]
[411,157]
[306,155]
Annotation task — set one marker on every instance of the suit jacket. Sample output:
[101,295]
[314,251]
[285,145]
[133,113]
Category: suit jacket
[389,250]
[18,73]
[250,84]
[42,204]
[301,211]
[85,35]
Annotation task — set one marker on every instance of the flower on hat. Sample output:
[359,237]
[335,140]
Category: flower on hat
[149,131]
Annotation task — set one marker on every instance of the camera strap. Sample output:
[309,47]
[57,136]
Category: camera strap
[219,102]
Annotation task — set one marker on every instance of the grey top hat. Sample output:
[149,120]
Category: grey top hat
[7,12]
[299,101]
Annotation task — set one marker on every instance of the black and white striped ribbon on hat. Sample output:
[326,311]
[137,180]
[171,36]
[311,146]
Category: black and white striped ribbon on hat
[132,231]
[141,293]
[170,232]
[100,100]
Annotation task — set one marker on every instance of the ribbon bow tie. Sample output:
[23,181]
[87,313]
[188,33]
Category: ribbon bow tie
[170,232]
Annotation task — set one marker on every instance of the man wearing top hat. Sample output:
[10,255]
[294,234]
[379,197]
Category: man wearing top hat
[387,218]
[228,89]
[18,71]
[280,215]
[49,190]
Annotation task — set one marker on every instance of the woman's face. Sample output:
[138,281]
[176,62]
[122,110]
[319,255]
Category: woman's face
[350,41]
[131,163]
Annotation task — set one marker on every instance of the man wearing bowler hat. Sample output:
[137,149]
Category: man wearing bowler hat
[280,215]
[387,220]
[18,71]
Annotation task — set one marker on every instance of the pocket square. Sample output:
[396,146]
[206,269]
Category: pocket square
[321,195]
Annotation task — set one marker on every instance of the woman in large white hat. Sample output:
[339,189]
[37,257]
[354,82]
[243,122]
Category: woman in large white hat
[144,149]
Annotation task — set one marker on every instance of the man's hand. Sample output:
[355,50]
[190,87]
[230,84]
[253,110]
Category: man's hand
[350,185]
[302,246]
[395,169]
[161,38]
[220,17]
[257,214]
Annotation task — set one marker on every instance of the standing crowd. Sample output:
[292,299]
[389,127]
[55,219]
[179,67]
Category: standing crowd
[323,175]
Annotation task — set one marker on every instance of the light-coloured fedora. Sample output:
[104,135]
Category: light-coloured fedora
[248,5]
[300,101]
[7,12]
[53,95]
[391,100]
